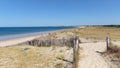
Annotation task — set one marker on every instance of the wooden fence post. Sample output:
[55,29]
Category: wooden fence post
[75,49]
[108,42]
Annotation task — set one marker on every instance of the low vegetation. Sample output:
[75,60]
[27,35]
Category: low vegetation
[98,32]
[34,57]
[113,54]
[59,65]
[113,48]
[60,57]
[115,51]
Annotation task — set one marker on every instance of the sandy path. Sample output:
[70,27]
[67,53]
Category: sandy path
[89,58]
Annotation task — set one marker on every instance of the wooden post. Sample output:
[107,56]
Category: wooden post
[77,44]
[75,49]
[107,42]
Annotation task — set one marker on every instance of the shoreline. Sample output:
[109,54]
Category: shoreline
[18,40]
[14,36]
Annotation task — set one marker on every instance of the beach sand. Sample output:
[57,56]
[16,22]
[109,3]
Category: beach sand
[16,41]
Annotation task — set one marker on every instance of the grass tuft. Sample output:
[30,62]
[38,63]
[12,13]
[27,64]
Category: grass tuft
[60,56]
[59,65]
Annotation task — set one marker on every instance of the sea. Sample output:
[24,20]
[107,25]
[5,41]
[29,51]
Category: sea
[17,32]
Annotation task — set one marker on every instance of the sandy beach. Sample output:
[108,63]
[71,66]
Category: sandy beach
[16,41]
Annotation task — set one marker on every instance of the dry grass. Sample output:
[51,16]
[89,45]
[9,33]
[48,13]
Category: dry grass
[114,50]
[90,33]
[31,57]
[98,32]
[113,55]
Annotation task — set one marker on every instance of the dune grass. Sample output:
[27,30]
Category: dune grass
[114,50]
[91,32]
[30,57]
[98,32]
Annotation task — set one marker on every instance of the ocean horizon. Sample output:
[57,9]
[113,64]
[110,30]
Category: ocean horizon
[17,32]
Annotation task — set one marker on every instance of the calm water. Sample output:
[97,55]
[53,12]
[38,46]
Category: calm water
[14,32]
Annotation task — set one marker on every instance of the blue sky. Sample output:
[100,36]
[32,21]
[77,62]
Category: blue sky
[59,12]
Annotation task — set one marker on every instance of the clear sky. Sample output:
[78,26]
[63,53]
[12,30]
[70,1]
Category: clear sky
[59,12]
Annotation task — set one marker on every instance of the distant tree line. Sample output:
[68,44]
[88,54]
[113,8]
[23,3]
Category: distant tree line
[106,25]
[111,25]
